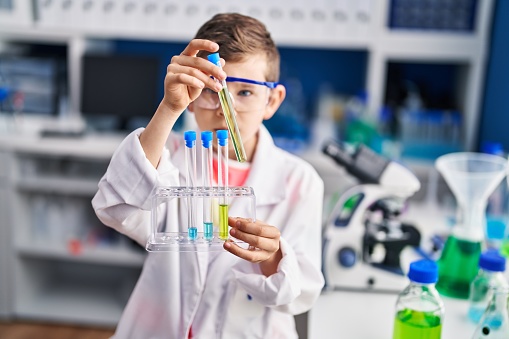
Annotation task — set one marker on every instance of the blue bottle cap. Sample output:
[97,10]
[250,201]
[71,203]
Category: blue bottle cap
[491,260]
[206,139]
[222,137]
[214,58]
[423,271]
[190,138]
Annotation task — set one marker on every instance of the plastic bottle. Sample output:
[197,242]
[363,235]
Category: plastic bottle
[496,211]
[494,323]
[419,309]
[491,268]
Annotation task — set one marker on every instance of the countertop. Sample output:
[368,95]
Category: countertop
[363,315]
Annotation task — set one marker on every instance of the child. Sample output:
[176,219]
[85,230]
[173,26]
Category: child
[245,293]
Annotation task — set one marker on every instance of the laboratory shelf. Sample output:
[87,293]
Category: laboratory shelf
[77,187]
[89,146]
[429,47]
[59,35]
[30,34]
[76,304]
[117,256]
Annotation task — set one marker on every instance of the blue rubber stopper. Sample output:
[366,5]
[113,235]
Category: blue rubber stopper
[206,139]
[190,138]
[423,271]
[222,137]
[215,59]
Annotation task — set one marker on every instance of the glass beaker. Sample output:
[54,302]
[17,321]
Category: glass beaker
[472,177]
[494,323]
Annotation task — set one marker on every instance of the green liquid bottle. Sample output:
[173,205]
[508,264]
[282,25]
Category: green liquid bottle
[419,309]
[458,266]
[472,177]
[417,325]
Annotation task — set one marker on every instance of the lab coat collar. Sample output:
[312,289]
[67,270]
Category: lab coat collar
[265,176]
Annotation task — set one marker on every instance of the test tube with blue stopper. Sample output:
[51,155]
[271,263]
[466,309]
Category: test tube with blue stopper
[206,156]
[222,181]
[190,141]
[229,113]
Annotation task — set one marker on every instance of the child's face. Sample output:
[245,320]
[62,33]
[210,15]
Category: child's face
[253,103]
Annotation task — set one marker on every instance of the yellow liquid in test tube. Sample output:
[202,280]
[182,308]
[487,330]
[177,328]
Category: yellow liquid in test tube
[223,222]
[229,114]
[231,122]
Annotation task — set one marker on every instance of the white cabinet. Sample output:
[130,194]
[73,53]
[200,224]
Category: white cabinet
[59,263]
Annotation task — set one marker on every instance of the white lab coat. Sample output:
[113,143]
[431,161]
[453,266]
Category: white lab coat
[220,295]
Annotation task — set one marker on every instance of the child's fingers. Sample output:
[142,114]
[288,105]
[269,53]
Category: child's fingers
[200,64]
[193,72]
[197,45]
[267,244]
[246,254]
[185,79]
[256,228]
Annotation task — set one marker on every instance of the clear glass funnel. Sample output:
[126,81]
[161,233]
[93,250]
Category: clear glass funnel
[494,323]
[472,177]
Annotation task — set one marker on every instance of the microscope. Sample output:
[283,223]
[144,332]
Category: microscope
[365,242]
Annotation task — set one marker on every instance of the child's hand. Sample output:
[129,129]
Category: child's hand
[188,74]
[263,243]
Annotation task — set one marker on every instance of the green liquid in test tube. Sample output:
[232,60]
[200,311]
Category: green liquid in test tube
[206,152]
[222,181]
[229,114]
[190,141]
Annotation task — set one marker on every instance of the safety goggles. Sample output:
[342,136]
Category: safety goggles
[247,95]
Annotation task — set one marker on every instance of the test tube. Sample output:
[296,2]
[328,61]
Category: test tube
[206,168]
[229,114]
[222,181]
[190,140]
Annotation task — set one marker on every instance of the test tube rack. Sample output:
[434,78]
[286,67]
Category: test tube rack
[170,223]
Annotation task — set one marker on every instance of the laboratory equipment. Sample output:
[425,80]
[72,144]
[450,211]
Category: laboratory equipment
[496,210]
[494,323]
[170,217]
[364,239]
[190,153]
[178,210]
[419,309]
[118,91]
[491,268]
[222,181]
[472,177]
[229,114]
[206,163]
